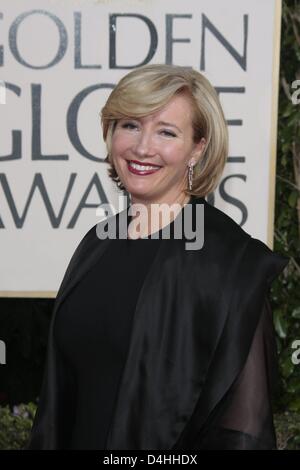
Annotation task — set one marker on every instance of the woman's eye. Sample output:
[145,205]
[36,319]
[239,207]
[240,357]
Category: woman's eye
[129,125]
[169,133]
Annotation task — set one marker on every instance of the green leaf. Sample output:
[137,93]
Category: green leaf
[288,111]
[293,198]
[294,405]
[280,323]
[294,386]
[286,366]
[296,312]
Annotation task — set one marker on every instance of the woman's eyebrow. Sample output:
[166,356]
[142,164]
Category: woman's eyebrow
[164,123]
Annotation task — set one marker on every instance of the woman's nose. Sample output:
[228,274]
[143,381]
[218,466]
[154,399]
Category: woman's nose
[144,144]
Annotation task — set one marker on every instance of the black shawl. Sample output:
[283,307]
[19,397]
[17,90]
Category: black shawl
[202,356]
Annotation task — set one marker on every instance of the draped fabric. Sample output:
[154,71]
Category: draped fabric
[91,335]
[245,420]
[201,360]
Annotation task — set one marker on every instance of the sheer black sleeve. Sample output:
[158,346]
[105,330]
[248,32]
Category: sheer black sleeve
[245,419]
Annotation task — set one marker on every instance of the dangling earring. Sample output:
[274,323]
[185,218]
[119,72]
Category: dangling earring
[190,175]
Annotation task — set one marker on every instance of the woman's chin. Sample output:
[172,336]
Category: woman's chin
[143,195]
[139,189]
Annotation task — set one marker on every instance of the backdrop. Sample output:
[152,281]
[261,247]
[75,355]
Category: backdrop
[59,60]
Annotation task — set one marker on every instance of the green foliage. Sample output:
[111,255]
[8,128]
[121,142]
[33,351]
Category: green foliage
[15,426]
[285,292]
[287,427]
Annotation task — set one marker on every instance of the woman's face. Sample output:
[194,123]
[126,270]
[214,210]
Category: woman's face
[151,153]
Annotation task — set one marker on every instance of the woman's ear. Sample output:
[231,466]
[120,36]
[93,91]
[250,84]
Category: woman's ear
[198,150]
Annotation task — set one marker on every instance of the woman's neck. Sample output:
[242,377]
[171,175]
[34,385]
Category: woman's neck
[154,216]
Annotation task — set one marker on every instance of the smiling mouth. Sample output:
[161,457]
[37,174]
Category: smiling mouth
[139,169]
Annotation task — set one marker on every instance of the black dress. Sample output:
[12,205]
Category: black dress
[196,368]
[92,333]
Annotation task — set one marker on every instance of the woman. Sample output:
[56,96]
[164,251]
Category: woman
[154,345]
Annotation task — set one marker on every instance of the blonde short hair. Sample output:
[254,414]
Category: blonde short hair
[147,89]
